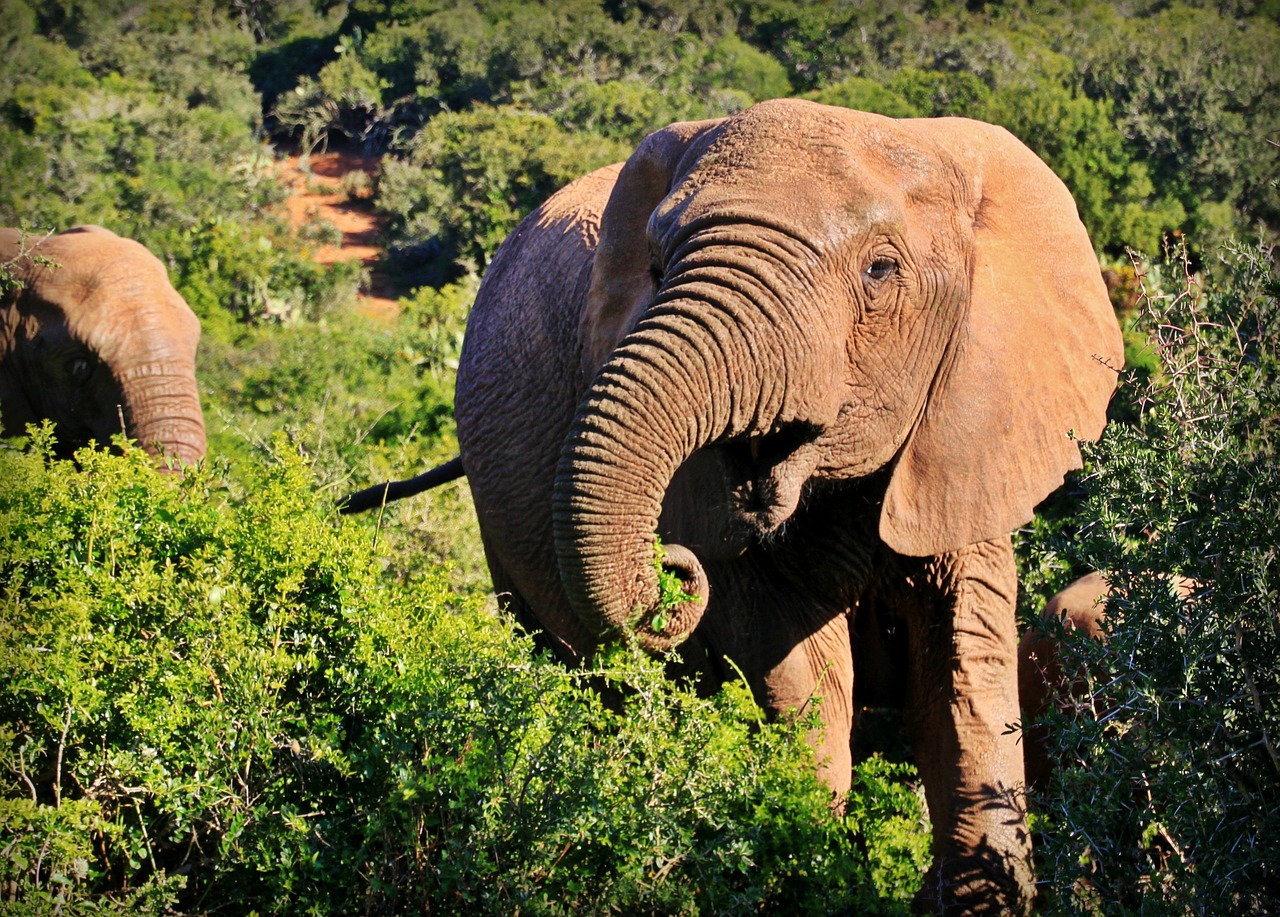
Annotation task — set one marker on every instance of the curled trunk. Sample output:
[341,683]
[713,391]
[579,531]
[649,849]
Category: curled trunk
[661,397]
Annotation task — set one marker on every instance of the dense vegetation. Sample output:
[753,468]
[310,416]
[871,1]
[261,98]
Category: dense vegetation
[1168,800]
[220,697]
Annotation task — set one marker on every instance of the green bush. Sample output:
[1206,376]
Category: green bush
[255,271]
[862,94]
[151,134]
[471,177]
[345,97]
[1167,802]
[215,701]
[1196,96]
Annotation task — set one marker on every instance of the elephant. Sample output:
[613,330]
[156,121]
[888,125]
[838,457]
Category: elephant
[1079,607]
[832,360]
[93,336]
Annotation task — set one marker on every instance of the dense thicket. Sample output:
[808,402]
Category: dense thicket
[216,703]
[218,696]
[1168,802]
[155,117]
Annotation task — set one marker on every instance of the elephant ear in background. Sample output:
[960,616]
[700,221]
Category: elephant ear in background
[1036,365]
[12,244]
[622,283]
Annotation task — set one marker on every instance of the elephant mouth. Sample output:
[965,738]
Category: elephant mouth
[767,475]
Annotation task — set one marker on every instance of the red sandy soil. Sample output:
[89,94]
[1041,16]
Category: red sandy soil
[319,194]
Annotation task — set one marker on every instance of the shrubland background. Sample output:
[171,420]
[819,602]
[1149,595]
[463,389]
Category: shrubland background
[219,697]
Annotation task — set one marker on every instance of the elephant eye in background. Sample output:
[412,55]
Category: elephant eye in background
[81,368]
[880,269]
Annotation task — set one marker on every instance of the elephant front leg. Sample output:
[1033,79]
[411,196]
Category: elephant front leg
[964,689]
[819,667]
[794,654]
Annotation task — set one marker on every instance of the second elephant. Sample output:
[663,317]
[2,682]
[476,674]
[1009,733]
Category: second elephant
[94,333]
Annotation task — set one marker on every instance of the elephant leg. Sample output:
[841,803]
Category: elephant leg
[964,698]
[514,602]
[820,666]
[794,653]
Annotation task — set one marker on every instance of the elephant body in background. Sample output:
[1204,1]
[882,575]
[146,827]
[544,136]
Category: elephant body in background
[1079,607]
[95,334]
[832,360]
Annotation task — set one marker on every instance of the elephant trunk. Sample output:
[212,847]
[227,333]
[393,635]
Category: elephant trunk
[663,395]
[162,409]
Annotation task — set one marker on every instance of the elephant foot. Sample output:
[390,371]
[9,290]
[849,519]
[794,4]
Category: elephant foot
[984,882]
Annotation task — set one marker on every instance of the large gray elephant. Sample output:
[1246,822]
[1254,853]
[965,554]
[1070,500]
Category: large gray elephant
[93,333]
[833,359]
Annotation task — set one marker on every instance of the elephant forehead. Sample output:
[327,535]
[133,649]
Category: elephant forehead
[827,176]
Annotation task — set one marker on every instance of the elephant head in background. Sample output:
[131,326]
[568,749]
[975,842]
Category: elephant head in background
[832,359]
[94,333]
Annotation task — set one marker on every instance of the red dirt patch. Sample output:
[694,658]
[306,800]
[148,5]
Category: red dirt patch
[319,193]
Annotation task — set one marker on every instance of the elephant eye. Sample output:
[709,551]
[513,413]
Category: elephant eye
[80,368]
[880,269]
[655,273]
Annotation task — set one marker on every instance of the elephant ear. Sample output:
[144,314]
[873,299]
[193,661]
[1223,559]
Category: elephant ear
[622,284]
[1032,367]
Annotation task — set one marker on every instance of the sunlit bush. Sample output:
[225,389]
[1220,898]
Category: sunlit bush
[1167,801]
[471,177]
[216,701]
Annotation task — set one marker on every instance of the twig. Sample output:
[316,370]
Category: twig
[1256,696]
[57,771]
[377,530]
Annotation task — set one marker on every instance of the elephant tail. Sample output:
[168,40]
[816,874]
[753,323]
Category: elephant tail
[380,494]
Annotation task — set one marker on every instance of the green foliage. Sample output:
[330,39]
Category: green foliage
[358,385]
[937,93]
[160,147]
[817,42]
[862,94]
[471,177]
[434,752]
[732,63]
[370,401]
[671,591]
[215,700]
[1195,96]
[344,97]
[252,271]
[1167,802]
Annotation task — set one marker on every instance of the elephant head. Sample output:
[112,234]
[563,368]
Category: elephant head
[94,334]
[811,295]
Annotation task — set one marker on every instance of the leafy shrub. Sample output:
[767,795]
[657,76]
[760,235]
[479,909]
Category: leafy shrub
[939,93]
[160,147]
[256,271]
[815,42]
[1194,93]
[216,702]
[345,97]
[862,94]
[471,177]
[1167,802]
